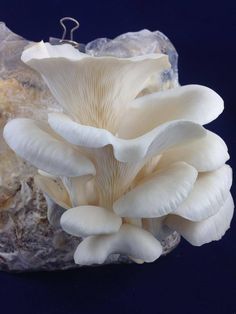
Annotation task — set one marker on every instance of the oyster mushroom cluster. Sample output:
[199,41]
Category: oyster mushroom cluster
[120,167]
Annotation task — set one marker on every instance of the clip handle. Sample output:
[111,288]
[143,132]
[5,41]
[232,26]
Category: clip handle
[63,39]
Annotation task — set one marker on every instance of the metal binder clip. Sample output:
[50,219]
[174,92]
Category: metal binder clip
[63,39]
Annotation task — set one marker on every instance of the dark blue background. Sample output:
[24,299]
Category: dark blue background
[190,280]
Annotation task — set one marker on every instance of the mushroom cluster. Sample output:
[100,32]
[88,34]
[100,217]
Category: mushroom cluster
[125,168]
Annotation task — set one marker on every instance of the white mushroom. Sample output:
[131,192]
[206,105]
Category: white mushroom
[205,154]
[84,221]
[112,153]
[211,229]
[194,103]
[158,195]
[31,140]
[94,91]
[54,190]
[129,240]
[208,195]
[148,145]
